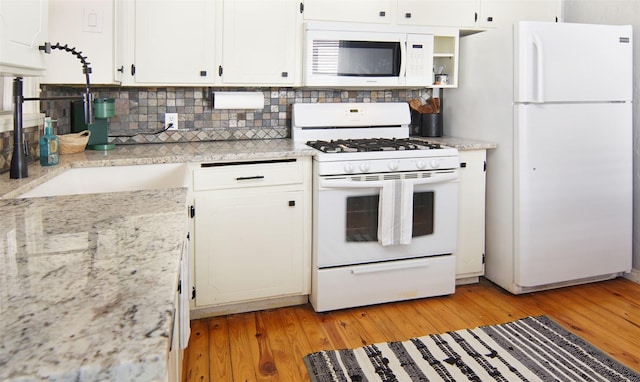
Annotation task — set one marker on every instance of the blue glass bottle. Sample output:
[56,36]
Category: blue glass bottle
[49,145]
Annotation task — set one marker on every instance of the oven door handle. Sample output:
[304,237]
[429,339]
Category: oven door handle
[385,267]
[439,178]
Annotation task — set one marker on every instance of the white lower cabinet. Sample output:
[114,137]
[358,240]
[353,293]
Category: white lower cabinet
[174,360]
[471,213]
[252,231]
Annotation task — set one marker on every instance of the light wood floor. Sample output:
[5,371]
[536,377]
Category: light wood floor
[269,345]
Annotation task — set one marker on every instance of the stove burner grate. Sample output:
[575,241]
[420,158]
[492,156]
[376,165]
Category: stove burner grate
[371,144]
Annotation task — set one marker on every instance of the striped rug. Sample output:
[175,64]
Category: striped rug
[530,349]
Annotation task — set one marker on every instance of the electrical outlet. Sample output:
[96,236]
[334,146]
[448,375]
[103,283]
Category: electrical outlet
[171,119]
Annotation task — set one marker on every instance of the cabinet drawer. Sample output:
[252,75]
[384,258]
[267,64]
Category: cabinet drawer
[255,174]
[344,287]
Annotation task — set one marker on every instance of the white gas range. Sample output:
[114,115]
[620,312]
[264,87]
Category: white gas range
[385,205]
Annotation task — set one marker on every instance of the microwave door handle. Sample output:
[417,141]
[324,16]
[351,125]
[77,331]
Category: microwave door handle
[403,58]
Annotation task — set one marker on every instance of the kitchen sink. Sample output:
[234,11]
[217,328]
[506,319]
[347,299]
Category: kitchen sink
[91,180]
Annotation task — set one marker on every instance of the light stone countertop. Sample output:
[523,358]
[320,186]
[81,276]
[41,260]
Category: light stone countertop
[462,144]
[87,285]
[154,154]
[87,282]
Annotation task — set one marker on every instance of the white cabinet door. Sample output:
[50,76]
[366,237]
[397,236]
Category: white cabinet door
[249,245]
[497,13]
[474,14]
[458,13]
[471,210]
[89,26]
[174,360]
[364,11]
[23,28]
[260,42]
[173,42]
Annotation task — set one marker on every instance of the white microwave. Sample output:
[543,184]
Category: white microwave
[366,55]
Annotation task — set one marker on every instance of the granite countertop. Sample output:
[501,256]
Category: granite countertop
[154,154]
[87,285]
[87,282]
[462,144]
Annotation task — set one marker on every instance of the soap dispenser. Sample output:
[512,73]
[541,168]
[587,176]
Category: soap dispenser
[49,145]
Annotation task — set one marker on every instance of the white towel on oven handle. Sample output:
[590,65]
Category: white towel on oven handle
[395,212]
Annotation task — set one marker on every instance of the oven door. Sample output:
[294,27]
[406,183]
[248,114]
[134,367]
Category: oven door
[346,218]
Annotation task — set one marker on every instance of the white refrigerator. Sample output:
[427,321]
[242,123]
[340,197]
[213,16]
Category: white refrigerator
[556,98]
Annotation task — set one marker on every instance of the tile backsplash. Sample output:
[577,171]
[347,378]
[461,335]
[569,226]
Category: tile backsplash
[139,112]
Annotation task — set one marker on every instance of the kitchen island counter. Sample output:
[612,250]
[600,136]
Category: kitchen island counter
[87,285]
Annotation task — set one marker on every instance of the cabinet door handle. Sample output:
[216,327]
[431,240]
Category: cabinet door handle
[475,17]
[407,15]
[292,203]
[382,13]
[250,177]
[121,70]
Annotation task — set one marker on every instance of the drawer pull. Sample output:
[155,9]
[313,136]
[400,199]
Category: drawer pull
[389,267]
[250,177]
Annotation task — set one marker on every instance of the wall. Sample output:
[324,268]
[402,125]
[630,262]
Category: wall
[140,111]
[140,114]
[619,12]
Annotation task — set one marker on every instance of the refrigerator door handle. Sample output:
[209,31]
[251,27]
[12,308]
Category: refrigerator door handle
[539,68]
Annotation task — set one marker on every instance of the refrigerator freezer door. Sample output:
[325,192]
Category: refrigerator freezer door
[564,62]
[573,187]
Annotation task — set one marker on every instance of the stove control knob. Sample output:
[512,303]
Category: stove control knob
[365,167]
[435,163]
[348,168]
[421,164]
[394,165]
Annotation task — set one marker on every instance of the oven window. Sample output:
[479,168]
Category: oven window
[362,216]
[422,213]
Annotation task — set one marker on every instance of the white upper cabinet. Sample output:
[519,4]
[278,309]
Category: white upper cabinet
[89,26]
[375,11]
[173,42]
[497,13]
[462,13]
[476,14]
[260,42]
[23,28]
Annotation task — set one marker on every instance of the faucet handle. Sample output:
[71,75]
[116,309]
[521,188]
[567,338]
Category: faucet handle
[46,47]
[87,101]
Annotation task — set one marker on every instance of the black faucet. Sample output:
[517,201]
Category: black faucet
[18,168]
